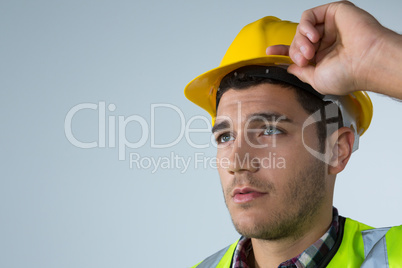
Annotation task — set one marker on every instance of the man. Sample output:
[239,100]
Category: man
[263,115]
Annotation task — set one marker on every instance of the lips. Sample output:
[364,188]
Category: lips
[244,195]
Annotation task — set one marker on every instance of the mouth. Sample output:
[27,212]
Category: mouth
[244,195]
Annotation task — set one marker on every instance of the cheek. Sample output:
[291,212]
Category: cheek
[221,172]
[284,161]
[219,153]
[225,184]
[222,165]
[294,147]
[223,159]
[310,137]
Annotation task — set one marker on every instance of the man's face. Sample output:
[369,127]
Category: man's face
[272,186]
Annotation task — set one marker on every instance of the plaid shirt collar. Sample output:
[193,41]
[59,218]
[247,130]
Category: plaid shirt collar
[307,259]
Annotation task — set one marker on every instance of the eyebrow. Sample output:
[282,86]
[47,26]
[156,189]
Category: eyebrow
[270,117]
[256,117]
[219,126]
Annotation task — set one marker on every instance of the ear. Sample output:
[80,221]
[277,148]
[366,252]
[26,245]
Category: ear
[340,147]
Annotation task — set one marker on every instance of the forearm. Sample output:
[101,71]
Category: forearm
[384,75]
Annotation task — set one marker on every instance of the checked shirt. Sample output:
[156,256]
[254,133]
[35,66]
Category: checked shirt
[307,259]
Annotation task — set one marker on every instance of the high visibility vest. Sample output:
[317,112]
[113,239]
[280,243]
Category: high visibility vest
[357,245]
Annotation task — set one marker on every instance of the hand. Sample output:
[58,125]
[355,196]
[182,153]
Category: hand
[334,48]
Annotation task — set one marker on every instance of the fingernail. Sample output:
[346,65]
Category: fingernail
[303,49]
[309,36]
[298,58]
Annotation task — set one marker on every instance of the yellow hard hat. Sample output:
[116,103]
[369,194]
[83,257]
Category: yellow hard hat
[248,48]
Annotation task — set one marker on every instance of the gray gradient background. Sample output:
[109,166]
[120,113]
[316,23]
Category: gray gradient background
[62,206]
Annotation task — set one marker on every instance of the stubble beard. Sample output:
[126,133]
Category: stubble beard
[305,196]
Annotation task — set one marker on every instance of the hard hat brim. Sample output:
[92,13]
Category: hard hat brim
[202,89]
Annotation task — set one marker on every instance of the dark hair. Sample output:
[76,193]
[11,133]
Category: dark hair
[240,80]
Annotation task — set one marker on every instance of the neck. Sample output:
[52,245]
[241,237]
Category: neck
[268,254]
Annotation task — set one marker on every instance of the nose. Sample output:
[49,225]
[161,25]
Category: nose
[242,157]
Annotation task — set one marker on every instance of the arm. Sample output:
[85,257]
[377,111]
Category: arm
[349,50]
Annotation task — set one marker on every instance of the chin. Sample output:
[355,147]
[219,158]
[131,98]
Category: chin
[249,225]
[270,227]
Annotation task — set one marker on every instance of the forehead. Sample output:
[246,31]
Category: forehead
[271,98]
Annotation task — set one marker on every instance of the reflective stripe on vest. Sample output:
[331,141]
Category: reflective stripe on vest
[221,259]
[361,246]
[375,248]
[213,260]
[350,254]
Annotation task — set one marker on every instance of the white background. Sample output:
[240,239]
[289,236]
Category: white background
[62,206]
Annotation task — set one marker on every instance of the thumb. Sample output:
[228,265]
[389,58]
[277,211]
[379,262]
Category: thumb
[305,74]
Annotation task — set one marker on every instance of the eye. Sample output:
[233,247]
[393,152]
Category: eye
[225,137]
[270,130]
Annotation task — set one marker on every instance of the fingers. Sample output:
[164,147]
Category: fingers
[283,50]
[308,34]
[305,74]
[278,50]
[305,43]
[301,50]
